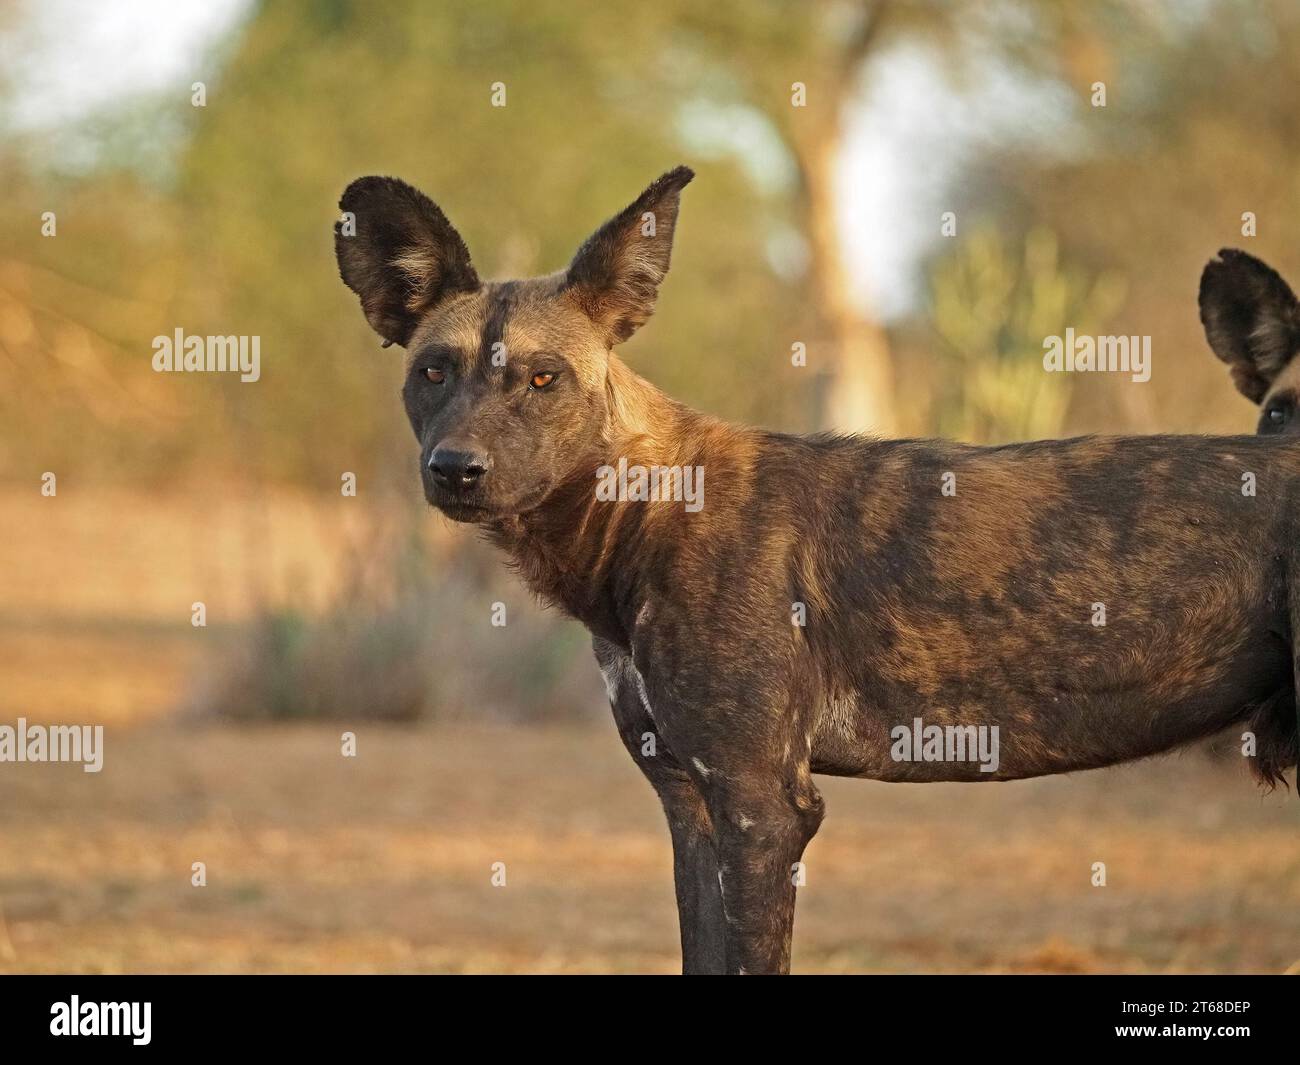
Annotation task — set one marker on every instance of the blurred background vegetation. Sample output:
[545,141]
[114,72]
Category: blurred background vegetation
[818,225]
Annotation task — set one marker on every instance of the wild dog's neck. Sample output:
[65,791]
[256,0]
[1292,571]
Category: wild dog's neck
[572,550]
[643,421]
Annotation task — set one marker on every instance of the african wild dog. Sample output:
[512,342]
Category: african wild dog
[831,589]
[1252,321]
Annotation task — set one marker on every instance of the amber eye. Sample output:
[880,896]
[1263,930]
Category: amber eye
[435,375]
[541,380]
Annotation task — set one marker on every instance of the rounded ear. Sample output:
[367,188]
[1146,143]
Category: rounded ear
[1251,319]
[397,251]
[615,275]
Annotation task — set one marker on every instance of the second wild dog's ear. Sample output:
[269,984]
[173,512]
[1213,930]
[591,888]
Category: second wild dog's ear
[1251,319]
[397,251]
[616,274]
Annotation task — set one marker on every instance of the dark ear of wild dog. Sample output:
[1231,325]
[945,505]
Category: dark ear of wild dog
[1252,321]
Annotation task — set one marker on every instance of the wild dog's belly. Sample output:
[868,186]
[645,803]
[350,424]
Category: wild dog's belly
[1003,722]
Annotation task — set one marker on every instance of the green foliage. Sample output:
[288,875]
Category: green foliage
[993,303]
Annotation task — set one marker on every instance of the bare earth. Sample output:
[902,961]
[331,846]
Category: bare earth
[383,862]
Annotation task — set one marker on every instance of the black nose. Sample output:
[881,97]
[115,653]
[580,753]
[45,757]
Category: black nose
[458,468]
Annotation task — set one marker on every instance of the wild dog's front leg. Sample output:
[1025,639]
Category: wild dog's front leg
[743,734]
[764,816]
[695,873]
[695,863]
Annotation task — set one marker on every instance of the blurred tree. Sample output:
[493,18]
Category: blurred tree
[757,53]
[1195,131]
[800,74]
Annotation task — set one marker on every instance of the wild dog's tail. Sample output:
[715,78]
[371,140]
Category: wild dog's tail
[1277,739]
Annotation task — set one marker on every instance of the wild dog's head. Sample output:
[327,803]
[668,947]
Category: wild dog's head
[505,380]
[1252,321]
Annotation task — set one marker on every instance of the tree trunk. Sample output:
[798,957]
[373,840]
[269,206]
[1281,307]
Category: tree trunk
[858,390]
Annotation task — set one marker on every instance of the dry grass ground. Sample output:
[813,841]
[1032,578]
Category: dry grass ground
[96,587]
[382,863]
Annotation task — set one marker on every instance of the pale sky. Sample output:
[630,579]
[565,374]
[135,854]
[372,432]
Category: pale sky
[70,58]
